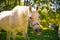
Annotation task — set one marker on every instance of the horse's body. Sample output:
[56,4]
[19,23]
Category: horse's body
[15,21]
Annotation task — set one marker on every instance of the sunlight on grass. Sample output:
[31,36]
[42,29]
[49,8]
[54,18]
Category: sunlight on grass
[32,32]
[43,28]
[51,28]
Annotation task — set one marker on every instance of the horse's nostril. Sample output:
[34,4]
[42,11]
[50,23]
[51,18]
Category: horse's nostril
[36,30]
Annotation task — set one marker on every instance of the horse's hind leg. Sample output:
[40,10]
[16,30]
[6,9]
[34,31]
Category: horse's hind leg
[8,35]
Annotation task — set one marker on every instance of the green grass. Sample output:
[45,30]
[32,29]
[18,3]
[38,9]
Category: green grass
[44,35]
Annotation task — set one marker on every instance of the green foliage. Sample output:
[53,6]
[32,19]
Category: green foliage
[8,4]
[49,17]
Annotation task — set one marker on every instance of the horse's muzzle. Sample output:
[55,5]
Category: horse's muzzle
[38,30]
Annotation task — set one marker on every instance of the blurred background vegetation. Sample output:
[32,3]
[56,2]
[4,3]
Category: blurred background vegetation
[49,10]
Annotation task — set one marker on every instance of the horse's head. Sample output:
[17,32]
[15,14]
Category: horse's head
[34,19]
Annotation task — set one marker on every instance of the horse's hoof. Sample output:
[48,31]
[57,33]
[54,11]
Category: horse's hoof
[27,39]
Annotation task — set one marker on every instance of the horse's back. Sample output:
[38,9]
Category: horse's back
[4,14]
[20,8]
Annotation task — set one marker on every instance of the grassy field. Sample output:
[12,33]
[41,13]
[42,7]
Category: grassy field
[44,35]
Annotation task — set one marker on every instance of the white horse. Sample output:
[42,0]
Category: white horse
[17,19]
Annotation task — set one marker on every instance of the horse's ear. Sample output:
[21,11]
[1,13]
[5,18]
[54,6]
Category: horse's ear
[36,7]
[30,9]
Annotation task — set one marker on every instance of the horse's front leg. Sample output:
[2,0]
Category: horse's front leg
[25,34]
[8,35]
[14,33]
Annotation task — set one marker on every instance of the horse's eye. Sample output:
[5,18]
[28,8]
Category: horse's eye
[30,17]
